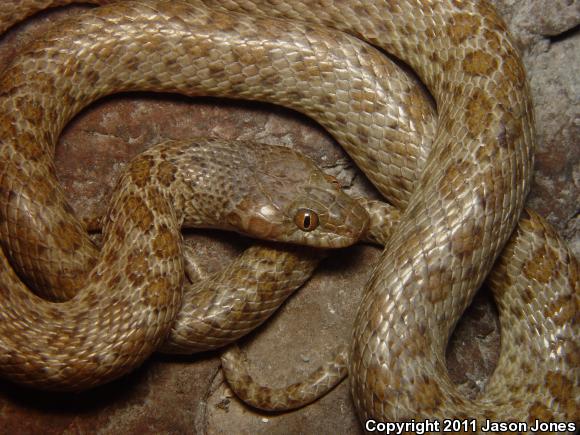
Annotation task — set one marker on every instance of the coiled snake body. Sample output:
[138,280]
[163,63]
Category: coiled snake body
[461,212]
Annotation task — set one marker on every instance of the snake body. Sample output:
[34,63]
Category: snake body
[467,201]
[458,217]
[30,134]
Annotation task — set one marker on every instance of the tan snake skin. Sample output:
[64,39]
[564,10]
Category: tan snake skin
[456,223]
[33,223]
[466,204]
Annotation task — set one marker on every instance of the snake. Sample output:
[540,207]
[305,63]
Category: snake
[456,217]
[58,272]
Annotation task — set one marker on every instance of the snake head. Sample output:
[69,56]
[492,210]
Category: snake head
[293,201]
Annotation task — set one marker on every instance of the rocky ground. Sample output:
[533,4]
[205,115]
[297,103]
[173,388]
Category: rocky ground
[187,394]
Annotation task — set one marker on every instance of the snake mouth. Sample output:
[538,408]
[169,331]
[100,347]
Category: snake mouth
[351,237]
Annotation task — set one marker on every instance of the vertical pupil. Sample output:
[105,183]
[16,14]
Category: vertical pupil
[306,220]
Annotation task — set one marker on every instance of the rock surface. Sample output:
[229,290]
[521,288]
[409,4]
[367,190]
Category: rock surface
[187,395]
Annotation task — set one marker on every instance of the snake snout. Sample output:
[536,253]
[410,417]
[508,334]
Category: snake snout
[349,225]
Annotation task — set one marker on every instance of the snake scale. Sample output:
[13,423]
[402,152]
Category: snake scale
[457,216]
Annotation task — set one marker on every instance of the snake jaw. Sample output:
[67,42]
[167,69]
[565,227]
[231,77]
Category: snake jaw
[261,228]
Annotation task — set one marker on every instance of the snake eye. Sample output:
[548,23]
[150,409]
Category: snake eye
[306,219]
